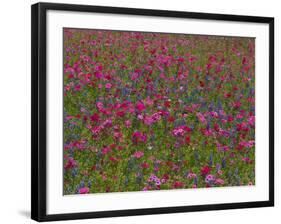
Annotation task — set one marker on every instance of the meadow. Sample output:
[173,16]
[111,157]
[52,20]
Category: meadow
[153,111]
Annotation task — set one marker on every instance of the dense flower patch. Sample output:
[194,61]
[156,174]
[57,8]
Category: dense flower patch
[151,111]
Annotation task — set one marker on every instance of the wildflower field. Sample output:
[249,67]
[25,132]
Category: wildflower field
[152,111]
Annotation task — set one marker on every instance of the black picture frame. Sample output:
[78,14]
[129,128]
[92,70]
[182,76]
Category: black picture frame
[39,107]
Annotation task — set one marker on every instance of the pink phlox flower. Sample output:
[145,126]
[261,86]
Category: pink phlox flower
[246,159]
[99,105]
[128,123]
[179,131]
[96,130]
[191,175]
[148,120]
[106,150]
[108,85]
[201,118]
[247,144]
[140,116]
[209,178]
[214,114]
[134,76]
[149,101]
[138,154]
[224,148]
[156,116]
[107,123]
[219,181]
[251,121]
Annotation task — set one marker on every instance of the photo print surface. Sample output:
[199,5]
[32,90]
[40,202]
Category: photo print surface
[157,111]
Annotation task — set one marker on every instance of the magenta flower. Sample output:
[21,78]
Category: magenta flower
[71,163]
[95,117]
[108,85]
[138,136]
[84,190]
[77,87]
[140,106]
[98,75]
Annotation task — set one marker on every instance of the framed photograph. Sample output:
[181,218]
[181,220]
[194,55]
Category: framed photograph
[140,111]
